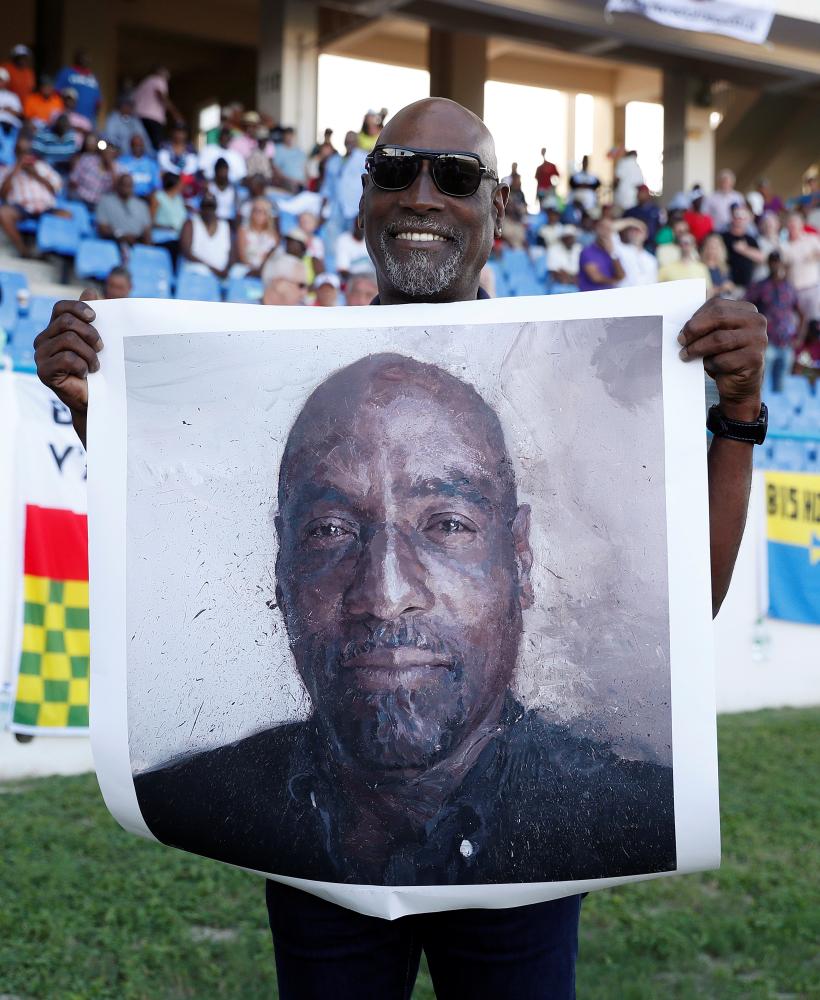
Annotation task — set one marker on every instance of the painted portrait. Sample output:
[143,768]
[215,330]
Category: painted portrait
[398,608]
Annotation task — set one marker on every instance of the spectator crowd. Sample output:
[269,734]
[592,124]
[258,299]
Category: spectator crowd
[248,214]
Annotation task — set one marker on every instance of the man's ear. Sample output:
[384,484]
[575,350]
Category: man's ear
[523,555]
[500,197]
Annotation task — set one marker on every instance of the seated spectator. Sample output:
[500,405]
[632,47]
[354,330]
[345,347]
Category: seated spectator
[309,223]
[326,287]
[257,239]
[776,299]
[285,281]
[117,283]
[688,265]
[94,172]
[648,211]
[122,216]
[801,255]
[81,123]
[225,193]
[807,361]
[351,253]
[168,212]
[552,228]
[177,156]
[42,106]
[28,189]
[256,188]
[21,75]
[56,144]
[586,231]
[122,125]
[245,142]
[220,151]
[371,128]
[361,289]
[291,161]
[11,109]
[142,167]
[640,267]
[668,251]
[259,159]
[599,266]
[564,260]
[771,201]
[81,80]
[713,255]
[722,201]
[584,186]
[700,224]
[207,240]
[768,241]
[741,249]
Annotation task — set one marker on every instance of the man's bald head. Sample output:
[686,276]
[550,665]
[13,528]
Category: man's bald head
[443,117]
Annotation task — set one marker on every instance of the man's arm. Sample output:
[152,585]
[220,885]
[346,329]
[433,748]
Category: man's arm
[730,337]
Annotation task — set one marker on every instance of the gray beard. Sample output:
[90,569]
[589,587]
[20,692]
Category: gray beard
[419,275]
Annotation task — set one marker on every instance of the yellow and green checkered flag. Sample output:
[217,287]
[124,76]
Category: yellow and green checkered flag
[52,681]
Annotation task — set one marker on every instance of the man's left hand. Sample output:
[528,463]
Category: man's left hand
[731,339]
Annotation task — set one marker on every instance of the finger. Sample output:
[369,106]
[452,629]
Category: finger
[88,294]
[743,363]
[67,341]
[77,308]
[69,320]
[718,342]
[64,363]
[718,314]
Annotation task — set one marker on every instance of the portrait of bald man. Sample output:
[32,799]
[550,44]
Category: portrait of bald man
[522,952]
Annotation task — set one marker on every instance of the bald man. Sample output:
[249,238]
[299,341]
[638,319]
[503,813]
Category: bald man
[429,225]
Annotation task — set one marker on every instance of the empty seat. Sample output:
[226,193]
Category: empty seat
[145,285]
[79,213]
[56,234]
[39,309]
[95,258]
[789,455]
[200,286]
[11,282]
[153,260]
[244,290]
[22,344]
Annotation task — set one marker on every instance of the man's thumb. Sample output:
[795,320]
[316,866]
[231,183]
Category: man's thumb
[89,294]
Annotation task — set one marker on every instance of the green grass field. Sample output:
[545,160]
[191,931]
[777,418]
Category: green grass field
[87,911]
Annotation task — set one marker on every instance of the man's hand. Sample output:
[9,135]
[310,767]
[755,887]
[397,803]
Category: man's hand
[66,351]
[731,339]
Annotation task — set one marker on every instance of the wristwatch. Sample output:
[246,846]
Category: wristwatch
[752,431]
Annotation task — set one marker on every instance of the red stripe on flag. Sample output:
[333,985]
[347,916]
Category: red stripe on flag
[56,544]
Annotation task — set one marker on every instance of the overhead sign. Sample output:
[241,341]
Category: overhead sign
[749,21]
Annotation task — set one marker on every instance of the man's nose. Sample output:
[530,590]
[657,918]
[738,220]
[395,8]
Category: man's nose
[422,195]
[390,580]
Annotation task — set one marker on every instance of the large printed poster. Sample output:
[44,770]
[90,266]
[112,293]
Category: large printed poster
[793,544]
[394,603]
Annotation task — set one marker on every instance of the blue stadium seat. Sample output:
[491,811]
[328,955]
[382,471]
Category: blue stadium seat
[8,141]
[39,309]
[146,285]
[22,344]
[198,286]
[10,284]
[79,213]
[244,290]
[152,272]
[56,234]
[526,284]
[781,411]
[790,456]
[797,389]
[95,258]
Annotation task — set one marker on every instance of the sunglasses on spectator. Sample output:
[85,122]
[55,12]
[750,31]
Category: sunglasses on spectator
[456,174]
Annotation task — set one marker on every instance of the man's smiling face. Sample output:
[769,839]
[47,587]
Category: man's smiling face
[425,245]
[403,561]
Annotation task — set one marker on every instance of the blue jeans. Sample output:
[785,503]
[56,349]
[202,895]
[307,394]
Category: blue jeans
[779,361]
[326,951]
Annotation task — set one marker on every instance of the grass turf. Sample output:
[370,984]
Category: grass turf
[87,911]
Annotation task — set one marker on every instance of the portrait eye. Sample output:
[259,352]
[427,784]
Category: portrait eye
[450,526]
[329,530]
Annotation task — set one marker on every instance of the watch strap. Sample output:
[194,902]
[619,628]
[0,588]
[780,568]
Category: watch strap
[748,431]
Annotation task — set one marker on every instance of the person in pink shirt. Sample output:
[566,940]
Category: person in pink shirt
[801,255]
[152,104]
[246,142]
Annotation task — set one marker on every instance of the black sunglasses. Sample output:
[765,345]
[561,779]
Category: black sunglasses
[456,174]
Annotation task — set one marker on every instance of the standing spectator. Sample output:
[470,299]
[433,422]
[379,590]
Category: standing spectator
[142,168]
[776,299]
[546,174]
[257,238]
[700,224]
[122,125]
[771,201]
[688,264]
[93,173]
[640,267]
[11,109]
[122,216]
[801,255]
[720,203]
[220,150]
[768,241]
[584,186]
[351,253]
[177,156]
[371,128]
[342,188]
[599,266]
[43,105]
[259,160]
[291,160]
[152,104]
[361,289]
[168,213]
[221,188]
[741,249]
[21,75]
[648,211]
[56,144]
[713,254]
[246,142]
[628,178]
[285,282]
[80,123]
[79,78]
[28,189]
[326,287]
[564,261]
[207,241]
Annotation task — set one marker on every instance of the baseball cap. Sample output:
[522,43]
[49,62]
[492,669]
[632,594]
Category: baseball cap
[297,234]
[326,278]
[567,230]
[21,50]
[679,201]
[644,187]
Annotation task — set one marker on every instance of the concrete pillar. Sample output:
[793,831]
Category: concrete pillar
[674,133]
[100,43]
[699,158]
[571,165]
[287,68]
[603,138]
[458,68]
[619,124]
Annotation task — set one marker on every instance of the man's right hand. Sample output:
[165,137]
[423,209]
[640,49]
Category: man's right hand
[66,351]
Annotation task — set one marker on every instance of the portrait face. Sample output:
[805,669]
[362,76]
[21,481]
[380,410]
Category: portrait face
[403,562]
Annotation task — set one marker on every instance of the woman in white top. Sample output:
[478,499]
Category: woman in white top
[207,240]
[768,240]
[257,239]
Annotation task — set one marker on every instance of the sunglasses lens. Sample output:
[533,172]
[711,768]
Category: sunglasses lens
[458,176]
[393,171]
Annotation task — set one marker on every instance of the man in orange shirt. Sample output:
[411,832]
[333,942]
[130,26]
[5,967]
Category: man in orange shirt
[21,75]
[42,105]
